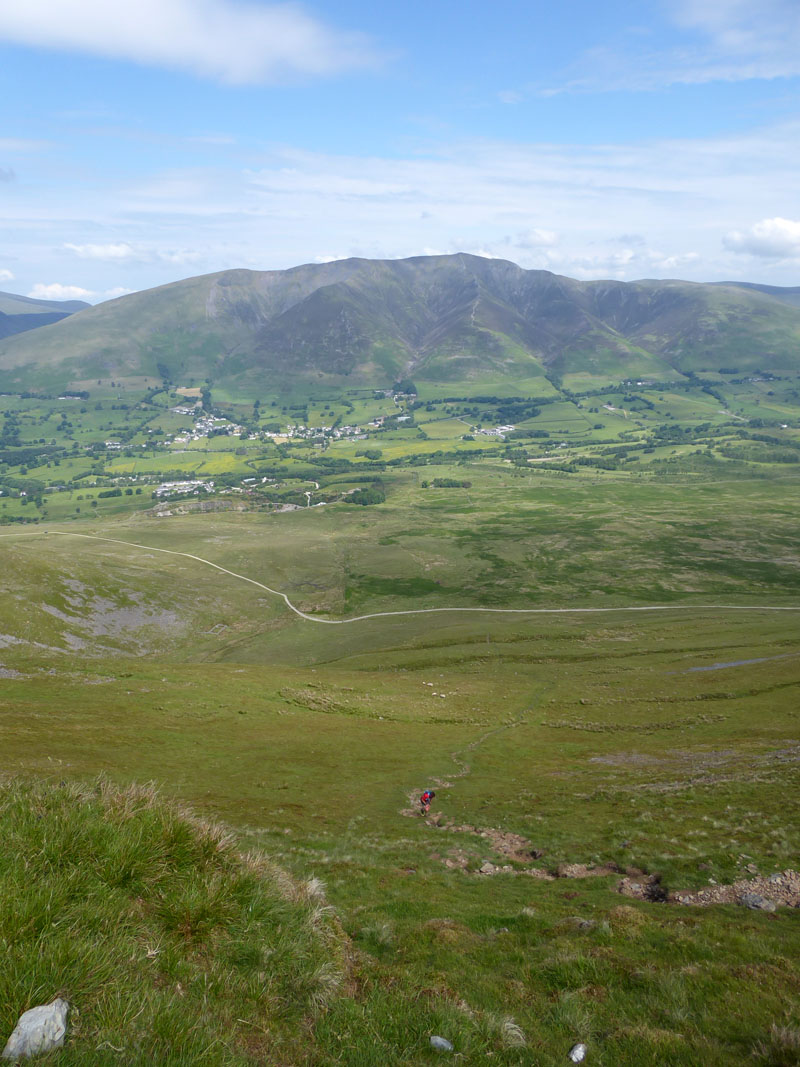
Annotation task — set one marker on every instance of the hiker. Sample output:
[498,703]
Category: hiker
[425,801]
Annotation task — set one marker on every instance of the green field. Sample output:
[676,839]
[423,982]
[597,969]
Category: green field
[569,738]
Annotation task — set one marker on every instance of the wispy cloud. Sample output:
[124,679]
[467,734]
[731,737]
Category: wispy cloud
[107,252]
[227,40]
[20,144]
[745,40]
[122,252]
[655,208]
[6,276]
[717,41]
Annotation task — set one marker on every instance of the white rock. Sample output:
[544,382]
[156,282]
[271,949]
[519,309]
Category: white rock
[578,1053]
[39,1030]
[441,1044]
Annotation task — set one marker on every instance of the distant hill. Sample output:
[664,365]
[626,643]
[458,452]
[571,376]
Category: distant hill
[21,313]
[436,318]
[788,294]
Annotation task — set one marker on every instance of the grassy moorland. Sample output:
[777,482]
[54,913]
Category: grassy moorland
[663,742]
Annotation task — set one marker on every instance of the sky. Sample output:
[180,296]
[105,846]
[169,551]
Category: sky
[144,143]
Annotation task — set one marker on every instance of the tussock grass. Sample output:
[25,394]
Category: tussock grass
[170,946]
[781,1048]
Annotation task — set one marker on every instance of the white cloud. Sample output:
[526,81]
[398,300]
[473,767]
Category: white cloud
[683,259]
[57,291]
[180,257]
[228,40]
[6,276]
[771,239]
[536,238]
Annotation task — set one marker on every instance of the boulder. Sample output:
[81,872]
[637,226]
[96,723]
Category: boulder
[39,1030]
[756,902]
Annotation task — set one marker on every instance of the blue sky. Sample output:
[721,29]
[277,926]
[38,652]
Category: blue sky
[178,137]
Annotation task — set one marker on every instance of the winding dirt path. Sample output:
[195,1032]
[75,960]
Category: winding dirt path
[415,611]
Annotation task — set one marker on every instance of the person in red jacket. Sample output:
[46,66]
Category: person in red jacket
[425,801]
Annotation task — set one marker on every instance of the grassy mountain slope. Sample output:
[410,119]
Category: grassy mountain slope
[632,740]
[439,318]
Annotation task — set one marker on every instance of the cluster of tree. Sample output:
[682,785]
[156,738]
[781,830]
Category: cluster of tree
[606,463]
[633,400]
[447,483]
[27,456]
[519,435]
[365,478]
[763,454]
[374,495]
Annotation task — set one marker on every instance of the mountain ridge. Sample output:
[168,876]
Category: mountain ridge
[442,318]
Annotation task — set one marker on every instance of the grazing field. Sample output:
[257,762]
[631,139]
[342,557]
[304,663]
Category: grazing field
[609,701]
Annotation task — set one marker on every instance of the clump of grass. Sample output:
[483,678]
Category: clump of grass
[511,1034]
[627,920]
[781,1048]
[168,944]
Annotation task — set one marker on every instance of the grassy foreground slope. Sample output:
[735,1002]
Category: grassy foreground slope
[665,742]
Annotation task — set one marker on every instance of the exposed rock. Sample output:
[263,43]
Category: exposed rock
[492,868]
[39,1030]
[581,870]
[540,873]
[780,888]
[578,1053]
[756,902]
[646,887]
